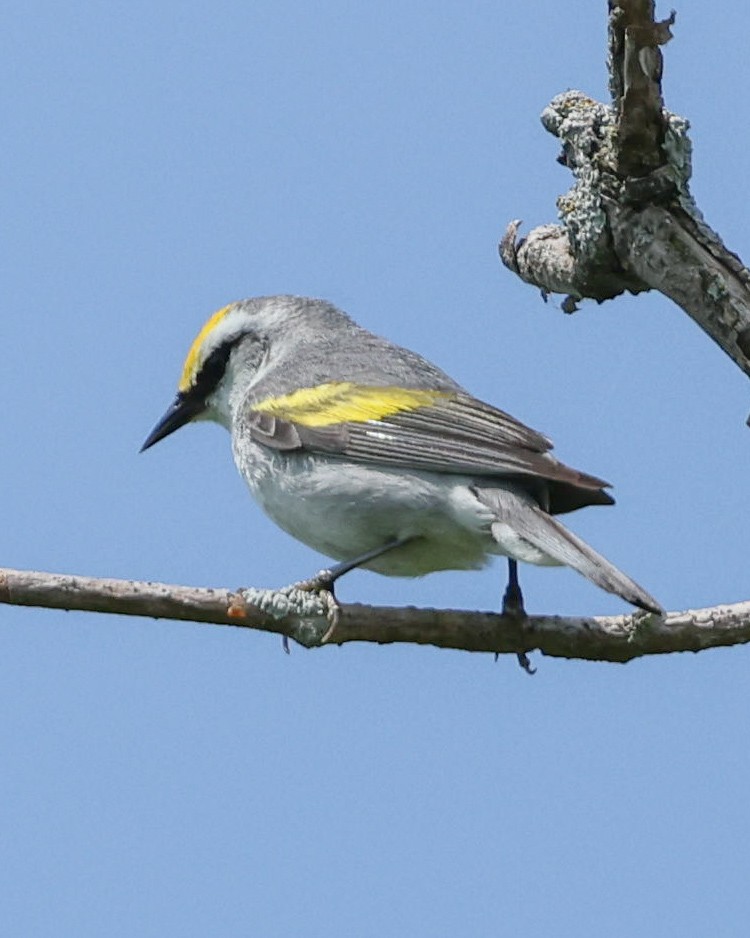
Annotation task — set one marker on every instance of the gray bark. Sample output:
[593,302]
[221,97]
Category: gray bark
[603,638]
[630,223]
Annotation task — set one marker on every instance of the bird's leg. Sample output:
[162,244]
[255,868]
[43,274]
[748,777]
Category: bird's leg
[323,582]
[513,607]
[513,597]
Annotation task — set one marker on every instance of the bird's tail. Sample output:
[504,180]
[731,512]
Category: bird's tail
[516,510]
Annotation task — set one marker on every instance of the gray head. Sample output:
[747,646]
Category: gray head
[240,337]
[285,342]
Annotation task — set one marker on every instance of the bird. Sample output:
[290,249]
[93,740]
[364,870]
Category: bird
[375,457]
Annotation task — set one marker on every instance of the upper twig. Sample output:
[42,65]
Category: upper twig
[630,222]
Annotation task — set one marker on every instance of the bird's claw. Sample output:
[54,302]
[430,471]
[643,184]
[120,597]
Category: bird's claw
[525,662]
[322,585]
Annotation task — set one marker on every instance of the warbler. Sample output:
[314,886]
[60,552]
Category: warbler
[370,454]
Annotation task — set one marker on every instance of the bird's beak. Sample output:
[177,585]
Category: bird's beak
[181,411]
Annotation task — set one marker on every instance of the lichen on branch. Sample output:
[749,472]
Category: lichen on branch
[629,223]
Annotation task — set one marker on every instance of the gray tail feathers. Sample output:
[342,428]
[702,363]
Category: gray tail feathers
[515,509]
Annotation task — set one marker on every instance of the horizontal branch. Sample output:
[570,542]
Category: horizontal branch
[601,638]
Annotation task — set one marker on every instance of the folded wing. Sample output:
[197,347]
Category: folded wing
[453,433]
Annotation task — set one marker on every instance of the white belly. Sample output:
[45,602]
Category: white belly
[345,509]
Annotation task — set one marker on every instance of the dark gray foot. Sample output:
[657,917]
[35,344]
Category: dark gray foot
[525,662]
[513,597]
[513,607]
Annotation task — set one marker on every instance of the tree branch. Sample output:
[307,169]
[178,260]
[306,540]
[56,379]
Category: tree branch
[630,223]
[603,638]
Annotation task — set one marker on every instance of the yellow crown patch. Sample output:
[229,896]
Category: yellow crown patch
[189,369]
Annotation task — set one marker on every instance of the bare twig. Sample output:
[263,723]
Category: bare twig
[604,638]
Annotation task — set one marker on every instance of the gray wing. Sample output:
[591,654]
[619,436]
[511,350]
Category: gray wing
[460,435]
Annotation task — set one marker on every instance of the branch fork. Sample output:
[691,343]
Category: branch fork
[630,224]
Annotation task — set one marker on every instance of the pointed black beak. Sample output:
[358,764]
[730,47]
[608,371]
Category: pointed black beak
[181,411]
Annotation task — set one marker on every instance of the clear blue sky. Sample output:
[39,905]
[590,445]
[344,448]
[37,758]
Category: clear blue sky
[163,779]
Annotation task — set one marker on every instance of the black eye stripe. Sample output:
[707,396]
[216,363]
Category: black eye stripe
[212,371]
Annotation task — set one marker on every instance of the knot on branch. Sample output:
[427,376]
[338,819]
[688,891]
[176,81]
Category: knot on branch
[577,258]
[627,154]
[629,223]
[304,612]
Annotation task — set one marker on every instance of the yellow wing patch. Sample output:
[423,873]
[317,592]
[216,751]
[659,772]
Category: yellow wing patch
[341,401]
[191,362]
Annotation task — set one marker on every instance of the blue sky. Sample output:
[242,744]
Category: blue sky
[175,779]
